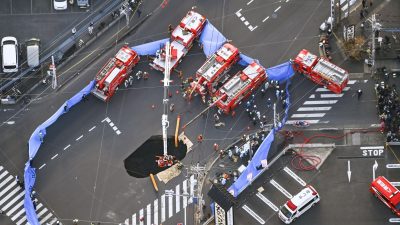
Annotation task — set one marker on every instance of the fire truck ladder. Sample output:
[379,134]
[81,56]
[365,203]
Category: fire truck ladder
[105,69]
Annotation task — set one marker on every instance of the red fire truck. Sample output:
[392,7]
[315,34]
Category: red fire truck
[387,193]
[240,86]
[321,71]
[213,70]
[182,39]
[114,73]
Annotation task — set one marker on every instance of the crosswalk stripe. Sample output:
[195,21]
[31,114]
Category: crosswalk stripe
[185,198]
[308,115]
[127,221]
[9,213]
[141,214]
[191,183]
[170,205]
[312,96]
[18,214]
[253,214]
[3,174]
[352,82]
[308,121]
[155,211]
[47,217]
[280,188]
[148,213]
[324,102]
[372,147]
[42,212]
[325,89]
[5,181]
[331,95]
[13,201]
[294,176]
[1,168]
[266,201]
[134,219]
[302,109]
[178,198]
[53,221]
[21,220]
[7,189]
[162,208]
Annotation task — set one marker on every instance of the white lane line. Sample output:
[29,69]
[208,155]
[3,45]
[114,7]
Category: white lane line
[148,213]
[42,166]
[394,183]
[277,9]
[242,18]
[308,121]
[185,198]
[66,147]
[54,156]
[106,119]
[268,202]
[253,214]
[192,183]
[308,115]
[352,82]
[394,220]
[79,138]
[372,147]
[178,198]
[326,90]
[238,14]
[92,128]
[303,109]
[253,28]
[331,95]
[312,96]
[162,208]
[325,102]
[170,206]
[266,18]
[134,219]
[280,188]
[294,176]
[155,220]
[141,215]
[250,2]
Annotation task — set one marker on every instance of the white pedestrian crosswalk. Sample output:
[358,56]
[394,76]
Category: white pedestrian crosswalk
[317,105]
[165,207]
[12,201]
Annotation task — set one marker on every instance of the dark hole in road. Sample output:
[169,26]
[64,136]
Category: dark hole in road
[142,161]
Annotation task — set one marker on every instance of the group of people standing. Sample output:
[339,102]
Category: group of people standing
[389,111]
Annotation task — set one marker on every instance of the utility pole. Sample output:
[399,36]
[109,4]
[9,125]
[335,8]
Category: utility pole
[54,75]
[125,10]
[198,177]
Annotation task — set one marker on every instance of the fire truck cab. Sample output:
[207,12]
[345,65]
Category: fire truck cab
[182,38]
[240,86]
[114,73]
[210,74]
[321,71]
[387,193]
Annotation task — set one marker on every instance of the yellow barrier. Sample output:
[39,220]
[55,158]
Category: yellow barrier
[178,120]
[154,182]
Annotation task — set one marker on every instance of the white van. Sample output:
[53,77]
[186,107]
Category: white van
[300,203]
[9,51]
[32,52]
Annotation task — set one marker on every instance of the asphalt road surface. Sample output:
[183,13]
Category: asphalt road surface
[81,171]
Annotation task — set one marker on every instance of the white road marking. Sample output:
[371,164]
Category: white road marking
[287,0]
[253,214]
[392,166]
[46,218]
[396,184]
[162,208]
[266,18]
[115,128]
[246,23]
[134,219]
[308,121]
[325,102]
[297,178]
[325,89]
[17,206]
[111,124]
[331,95]
[92,128]
[118,132]
[394,220]
[148,213]
[250,2]
[253,28]
[238,14]
[170,205]
[54,156]
[42,166]
[5,181]
[13,201]
[365,81]
[127,222]
[308,115]
[185,198]
[106,119]
[375,125]
[266,201]
[18,214]
[302,109]
[79,138]
[178,198]
[242,18]
[66,147]
[277,9]
[141,215]
[352,82]
[280,188]
[372,147]
[312,96]
[9,195]
[192,183]
[3,174]
[155,211]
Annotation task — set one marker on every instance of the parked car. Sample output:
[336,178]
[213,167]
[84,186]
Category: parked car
[9,51]
[60,4]
[33,52]
[83,3]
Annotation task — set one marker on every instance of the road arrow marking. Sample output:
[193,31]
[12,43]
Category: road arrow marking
[348,170]
[374,167]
